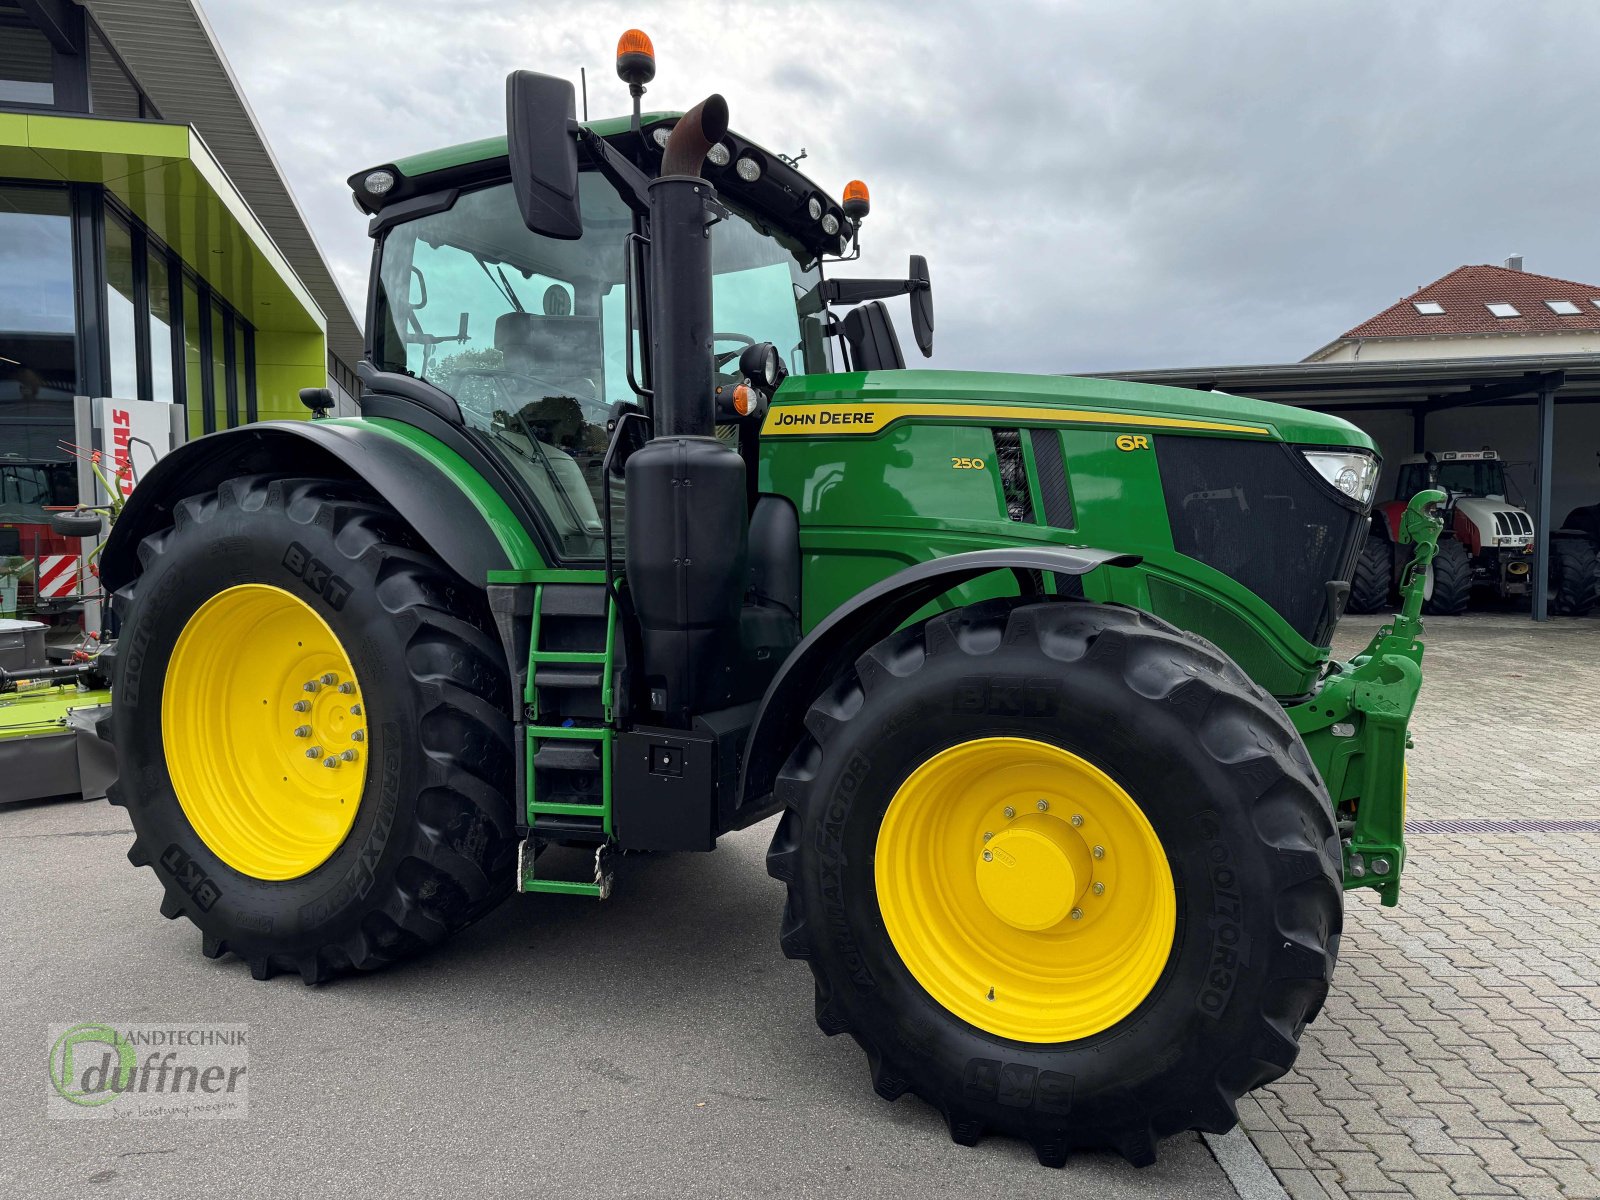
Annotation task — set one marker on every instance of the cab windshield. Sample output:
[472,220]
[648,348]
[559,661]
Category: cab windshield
[1484,477]
[528,333]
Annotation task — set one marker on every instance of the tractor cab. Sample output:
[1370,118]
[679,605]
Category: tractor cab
[540,336]
[1478,473]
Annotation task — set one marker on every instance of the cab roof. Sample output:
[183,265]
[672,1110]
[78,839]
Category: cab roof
[779,192]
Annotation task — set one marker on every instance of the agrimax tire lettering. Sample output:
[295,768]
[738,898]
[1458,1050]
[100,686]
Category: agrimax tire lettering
[358,880]
[830,839]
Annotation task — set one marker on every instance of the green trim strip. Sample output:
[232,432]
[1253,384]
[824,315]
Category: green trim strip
[508,531]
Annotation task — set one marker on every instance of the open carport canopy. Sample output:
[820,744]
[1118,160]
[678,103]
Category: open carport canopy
[1539,385]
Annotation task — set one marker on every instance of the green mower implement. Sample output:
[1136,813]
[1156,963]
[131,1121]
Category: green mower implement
[646,534]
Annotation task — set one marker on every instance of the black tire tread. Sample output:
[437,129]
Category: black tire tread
[455,870]
[1153,657]
[1452,580]
[1372,582]
[1574,576]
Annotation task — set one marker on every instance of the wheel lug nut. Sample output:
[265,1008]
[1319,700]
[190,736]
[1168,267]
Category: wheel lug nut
[349,756]
[330,761]
[355,710]
[302,731]
[1099,851]
[311,685]
[313,751]
[1077,819]
[1077,914]
[358,735]
[1099,889]
[302,706]
[347,688]
[330,679]
[1010,812]
[988,856]
[1043,806]
[987,835]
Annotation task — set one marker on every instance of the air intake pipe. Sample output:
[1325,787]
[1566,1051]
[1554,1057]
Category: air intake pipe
[687,520]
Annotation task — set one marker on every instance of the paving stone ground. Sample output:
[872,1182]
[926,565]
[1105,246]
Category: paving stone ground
[1459,1052]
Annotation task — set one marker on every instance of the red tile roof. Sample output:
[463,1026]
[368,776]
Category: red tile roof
[1464,294]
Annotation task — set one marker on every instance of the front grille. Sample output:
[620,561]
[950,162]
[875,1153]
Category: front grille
[1513,522]
[1260,514]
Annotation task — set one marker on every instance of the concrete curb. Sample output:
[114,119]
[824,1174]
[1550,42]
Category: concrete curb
[1242,1163]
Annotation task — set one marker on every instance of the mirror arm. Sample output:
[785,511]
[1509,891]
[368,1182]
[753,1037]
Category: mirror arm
[855,291]
[629,181]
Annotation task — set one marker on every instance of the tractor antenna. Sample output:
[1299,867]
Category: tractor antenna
[795,161]
[583,77]
[636,66]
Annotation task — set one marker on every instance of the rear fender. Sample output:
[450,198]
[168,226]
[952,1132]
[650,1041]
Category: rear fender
[863,621]
[433,489]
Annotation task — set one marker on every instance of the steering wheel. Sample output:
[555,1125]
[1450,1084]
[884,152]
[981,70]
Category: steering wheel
[727,356]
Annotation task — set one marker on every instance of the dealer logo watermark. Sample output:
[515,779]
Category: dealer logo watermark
[107,1071]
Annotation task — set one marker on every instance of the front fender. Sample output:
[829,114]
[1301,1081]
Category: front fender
[864,620]
[432,488]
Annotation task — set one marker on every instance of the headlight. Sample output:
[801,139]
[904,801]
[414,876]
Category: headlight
[378,183]
[1354,473]
[830,224]
[718,155]
[661,133]
[749,169]
[814,207]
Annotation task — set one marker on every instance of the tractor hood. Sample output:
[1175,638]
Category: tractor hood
[875,398]
[1496,522]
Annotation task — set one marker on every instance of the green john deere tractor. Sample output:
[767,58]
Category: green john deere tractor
[644,535]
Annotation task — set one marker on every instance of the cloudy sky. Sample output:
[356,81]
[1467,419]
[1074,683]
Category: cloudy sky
[1096,183]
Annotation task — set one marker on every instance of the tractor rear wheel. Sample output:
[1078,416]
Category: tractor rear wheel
[1063,871]
[1373,579]
[311,728]
[1574,576]
[1452,580]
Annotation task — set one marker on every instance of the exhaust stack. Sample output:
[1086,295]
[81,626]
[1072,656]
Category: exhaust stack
[687,516]
[680,275]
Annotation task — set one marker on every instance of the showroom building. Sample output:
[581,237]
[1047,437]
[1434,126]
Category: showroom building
[149,247]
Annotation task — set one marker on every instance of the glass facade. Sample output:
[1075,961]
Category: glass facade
[94,305]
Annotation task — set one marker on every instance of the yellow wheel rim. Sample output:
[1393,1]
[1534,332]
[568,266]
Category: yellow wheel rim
[1025,890]
[264,731]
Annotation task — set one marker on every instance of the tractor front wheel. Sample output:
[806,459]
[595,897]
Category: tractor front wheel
[1063,871]
[311,728]
[1574,576]
[1373,579]
[1450,589]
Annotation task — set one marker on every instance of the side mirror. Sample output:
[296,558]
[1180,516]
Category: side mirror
[318,400]
[921,305]
[543,153]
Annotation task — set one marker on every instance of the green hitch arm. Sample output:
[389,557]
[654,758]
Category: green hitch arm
[1356,727]
[1420,528]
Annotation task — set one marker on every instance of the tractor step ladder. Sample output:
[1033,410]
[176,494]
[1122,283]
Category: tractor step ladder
[569,723]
